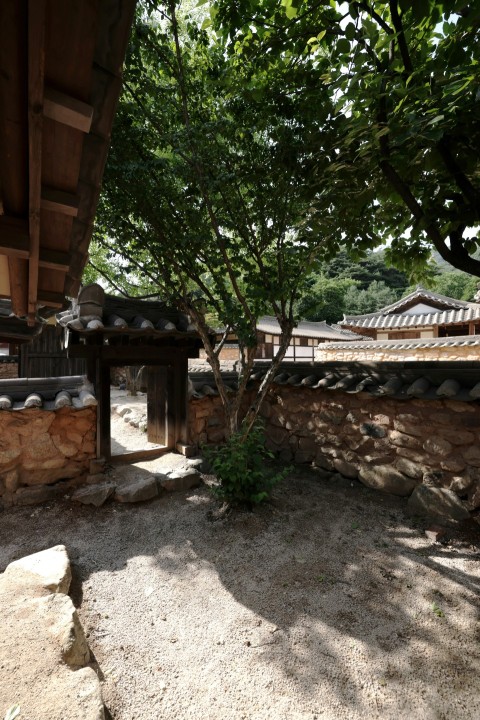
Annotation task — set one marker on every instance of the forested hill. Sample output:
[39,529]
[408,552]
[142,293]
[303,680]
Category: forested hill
[343,286]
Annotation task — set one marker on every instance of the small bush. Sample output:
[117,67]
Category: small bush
[241,466]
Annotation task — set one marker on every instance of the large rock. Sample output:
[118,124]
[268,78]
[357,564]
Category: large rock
[410,468]
[437,503]
[346,469]
[387,479]
[94,494]
[42,644]
[35,495]
[66,628]
[49,569]
[180,480]
[136,490]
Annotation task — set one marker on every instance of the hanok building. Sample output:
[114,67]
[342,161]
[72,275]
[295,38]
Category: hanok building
[421,326]
[305,338]
[421,314]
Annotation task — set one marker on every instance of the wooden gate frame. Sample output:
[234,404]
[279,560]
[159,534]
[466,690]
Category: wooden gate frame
[167,389]
[167,407]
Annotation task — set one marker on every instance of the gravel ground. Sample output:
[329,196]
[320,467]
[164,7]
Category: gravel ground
[328,603]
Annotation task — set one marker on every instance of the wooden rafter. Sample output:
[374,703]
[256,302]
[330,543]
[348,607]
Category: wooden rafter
[14,237]
[59,201]
[36,70]
[67,110]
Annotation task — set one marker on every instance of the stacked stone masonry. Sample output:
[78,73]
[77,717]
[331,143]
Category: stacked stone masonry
[43,451]
[8,367]
[387,444]
[378,355]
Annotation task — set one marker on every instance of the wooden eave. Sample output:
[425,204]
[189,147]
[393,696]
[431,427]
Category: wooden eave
[60,78]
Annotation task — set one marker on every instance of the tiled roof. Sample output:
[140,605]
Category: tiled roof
[14,329]
[96,312]
[321,330]
[419,294]
[445,317]
[400,380]
[451,311]
[46,393]
[411,344]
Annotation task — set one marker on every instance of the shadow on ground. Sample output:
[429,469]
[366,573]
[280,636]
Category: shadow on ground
[331,594]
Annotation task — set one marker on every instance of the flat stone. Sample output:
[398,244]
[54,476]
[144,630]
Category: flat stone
[438,446]
[180,480]
[437,503]
[453,464]
[408,441]
[49,569]
[410,468]
[35,495]
[345,469]
[386,479]
[136,490]
[94,494]
[472,455]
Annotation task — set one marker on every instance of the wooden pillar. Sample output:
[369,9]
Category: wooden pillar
[102,387]
[180,398]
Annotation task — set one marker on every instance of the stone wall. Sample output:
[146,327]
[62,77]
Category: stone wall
[8,366]
[392,445]
[366,354]
[39,448]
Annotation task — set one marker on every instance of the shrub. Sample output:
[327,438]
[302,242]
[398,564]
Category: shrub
[242,467]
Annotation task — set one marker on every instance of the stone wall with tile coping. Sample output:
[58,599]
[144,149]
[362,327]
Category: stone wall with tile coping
[40,448]
[386,443]
[366,354]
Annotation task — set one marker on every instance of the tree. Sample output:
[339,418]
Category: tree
[404,78]
[372,267]
[456,284]
[377,295]
[324,299]
[206,193]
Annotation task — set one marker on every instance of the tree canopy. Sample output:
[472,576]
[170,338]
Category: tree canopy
[207,190]
[403,78]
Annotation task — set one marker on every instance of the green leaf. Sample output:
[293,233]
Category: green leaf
[291,12]
[350,31]
[343,46]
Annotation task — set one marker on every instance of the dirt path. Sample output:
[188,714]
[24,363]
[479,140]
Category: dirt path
[327,604]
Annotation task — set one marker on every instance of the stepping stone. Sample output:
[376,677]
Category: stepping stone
[137,490]
[94,494]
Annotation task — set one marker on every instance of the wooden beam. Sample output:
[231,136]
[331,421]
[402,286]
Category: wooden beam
[36,68]
[67,110]
[50,299]
[135,456]
[54,260]
[14,238]
[59,201]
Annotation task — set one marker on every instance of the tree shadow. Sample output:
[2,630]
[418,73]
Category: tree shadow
[338,592]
